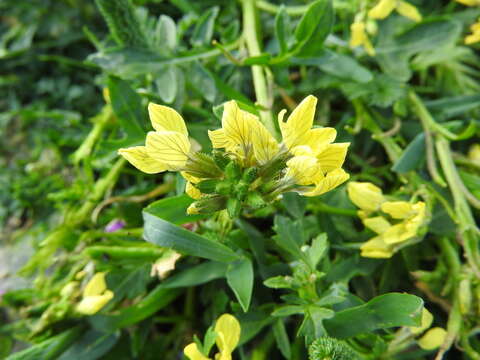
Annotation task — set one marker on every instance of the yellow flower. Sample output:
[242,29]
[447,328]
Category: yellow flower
[474,37]
[469,2]
[413,216]
[95,295]
[427,319]
[366,196]
[359,37]
[227,330]
[244,135]
[474,153]
[385,8]
[433,338]
[167,148]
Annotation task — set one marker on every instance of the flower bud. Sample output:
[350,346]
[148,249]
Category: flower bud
[207,205]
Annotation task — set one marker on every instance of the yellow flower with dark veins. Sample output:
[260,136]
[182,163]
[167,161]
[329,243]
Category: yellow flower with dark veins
[394,222]
[248,167]
[227,330]
[474,37]
[359,37]
[385,8]
[95,295]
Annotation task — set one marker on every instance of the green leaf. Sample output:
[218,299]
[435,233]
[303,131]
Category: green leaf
[91,346]
[203,32]
[446,108]
[382,312]
[166,33]
[261,59]
[294,204]
[164,233]
[174,209]
[202,81]
[314,26]
[197,275]
[412,157]
[282,29]
[166,82]
[339,65]
[289,236]
[240,280]
[49,349]
[318,248]
[127,106]
[281,338]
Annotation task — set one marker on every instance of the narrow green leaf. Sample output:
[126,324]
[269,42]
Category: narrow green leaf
[203,32]
[166,234]
[166,33]
[382,312]
[174,209]
[127,106]
[314,26]
[240,280]
[197,275]
[412,156]
[91,346]
[282,29]
[166,82]
[281,338]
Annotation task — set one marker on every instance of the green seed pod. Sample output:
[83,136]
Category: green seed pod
[233,207]
[241,190]
[207,205]
[250,175]
[232,170]
[220,158]
[255,200]
[327,348]
[224,188]
[465,296]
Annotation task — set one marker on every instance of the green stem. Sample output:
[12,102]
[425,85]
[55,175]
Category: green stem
[259,79]
[99,189]
[100,122]
[298,10]
[427,121]
[468,228]
[122,252]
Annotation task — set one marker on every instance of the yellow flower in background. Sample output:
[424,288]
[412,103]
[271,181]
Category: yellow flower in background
[385,8]
[394,222]
[474,153]
[227,330]
[95,295]
[427,320]
[433,338]
[359,37]
[474,37]
[167,148]
[469,2]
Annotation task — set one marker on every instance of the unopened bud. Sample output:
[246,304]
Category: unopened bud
[207,205]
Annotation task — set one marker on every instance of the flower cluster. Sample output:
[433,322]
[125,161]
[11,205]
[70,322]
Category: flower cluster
[380,11]
[394,222]
[227,335]
[248,167]
[474,37]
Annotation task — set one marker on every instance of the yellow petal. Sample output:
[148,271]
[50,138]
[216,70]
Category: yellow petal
[219,140]
[358,34]
[433,338]
[295,129]
[237,127]
[382,9]
[333,156]
[265,147]
[192,191]
[229,327]
[329,182]
[318,139]
[427,319]
[474,153]
[365,195]
[469,2]
[96,285]
[397,209]
[169,147]
[305,170]
[473,38]
[138,157]
[90,305]
[190,178]
[165,118]
[409,11]
[397,233]
[191,351]
[377,224]
[376,248]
